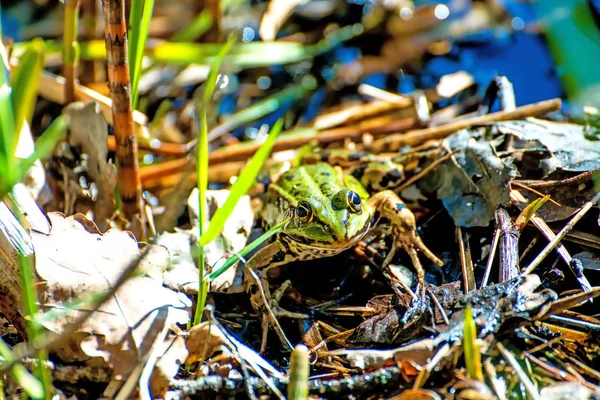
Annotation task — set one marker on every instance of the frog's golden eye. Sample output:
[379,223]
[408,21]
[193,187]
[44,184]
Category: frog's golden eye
[354,202]
[304,212]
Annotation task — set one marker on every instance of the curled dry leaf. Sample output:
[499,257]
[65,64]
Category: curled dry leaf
[75,259]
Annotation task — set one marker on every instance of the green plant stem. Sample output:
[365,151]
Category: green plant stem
[70,48]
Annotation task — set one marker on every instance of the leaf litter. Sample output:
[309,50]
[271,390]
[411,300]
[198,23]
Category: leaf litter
[516,324]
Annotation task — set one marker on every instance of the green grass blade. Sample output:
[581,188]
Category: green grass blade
[30,384]
[242,185]
[46,143]
[528,212]
[143,28]
[183,53]
[197,28]
[8,136]
[25,82]
[34,330]
[246,250]
[242,55]
[202,172]
[133,30]
[471,348]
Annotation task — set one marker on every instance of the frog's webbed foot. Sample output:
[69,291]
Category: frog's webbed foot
[404,231]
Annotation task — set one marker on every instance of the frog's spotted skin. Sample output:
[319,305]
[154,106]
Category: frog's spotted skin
[329,212]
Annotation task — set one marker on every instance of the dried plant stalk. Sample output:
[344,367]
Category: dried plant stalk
[120,90]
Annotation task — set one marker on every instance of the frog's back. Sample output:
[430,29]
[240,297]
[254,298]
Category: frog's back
[309,181]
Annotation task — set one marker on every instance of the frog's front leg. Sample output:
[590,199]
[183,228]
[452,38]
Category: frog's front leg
[404,231]
[257,285]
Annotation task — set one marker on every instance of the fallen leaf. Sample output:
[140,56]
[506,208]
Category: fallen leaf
[88,129]
[76,259]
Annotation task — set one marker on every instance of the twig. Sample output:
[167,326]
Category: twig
[532,392]
[553,243]
[532,190]
[295,140]
[411,138]
[490,261]
[550,235]
[466,261]
[426,170]
[574,180]
[380,94]
[509,248]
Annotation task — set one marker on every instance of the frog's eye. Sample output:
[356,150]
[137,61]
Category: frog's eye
[304,212]
[354,201]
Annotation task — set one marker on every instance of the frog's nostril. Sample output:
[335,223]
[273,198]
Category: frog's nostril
[345,221]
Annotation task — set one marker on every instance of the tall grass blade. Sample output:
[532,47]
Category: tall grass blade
[202,172]
[242,185]
[25,82]
[143,28]
[8,137]
[133,30]
[34,330]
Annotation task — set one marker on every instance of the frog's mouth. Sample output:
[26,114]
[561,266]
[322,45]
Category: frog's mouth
[340,244]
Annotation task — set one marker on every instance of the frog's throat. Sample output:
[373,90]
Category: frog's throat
[301,242]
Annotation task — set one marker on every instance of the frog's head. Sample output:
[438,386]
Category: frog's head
[335,222]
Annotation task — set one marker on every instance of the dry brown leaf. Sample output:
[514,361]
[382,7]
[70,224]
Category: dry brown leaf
[88,129]
[76,259]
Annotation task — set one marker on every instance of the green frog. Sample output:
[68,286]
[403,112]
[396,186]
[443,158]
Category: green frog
[329,211]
